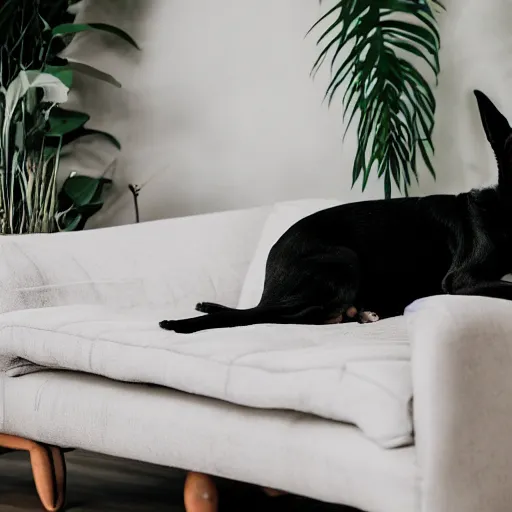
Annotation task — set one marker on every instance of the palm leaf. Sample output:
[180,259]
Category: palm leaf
[75,28]
[394,100]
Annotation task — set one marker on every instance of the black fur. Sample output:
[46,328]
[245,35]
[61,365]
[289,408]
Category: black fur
[383,255]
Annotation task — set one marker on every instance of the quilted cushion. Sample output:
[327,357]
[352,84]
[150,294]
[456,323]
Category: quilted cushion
[352,373]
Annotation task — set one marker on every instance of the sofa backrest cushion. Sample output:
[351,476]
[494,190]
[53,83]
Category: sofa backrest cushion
[174,262]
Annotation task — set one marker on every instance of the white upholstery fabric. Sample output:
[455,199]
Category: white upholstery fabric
[291,451]
[352,373]
[462,378]
[175,263]
[281,217]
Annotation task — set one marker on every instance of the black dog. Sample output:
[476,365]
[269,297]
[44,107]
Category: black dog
[383,255]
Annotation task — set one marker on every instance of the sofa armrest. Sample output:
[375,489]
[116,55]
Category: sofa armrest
[171,263]
[462,380]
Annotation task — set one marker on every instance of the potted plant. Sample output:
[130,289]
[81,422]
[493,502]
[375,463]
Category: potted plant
[35,129]
[375,49]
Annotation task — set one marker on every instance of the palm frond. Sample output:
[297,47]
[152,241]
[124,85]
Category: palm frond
[371,45]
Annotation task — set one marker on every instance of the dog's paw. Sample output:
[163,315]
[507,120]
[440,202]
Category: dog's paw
[178,326]
[348,314]
[209,307]
[202,307]
[368,317]
[168,325]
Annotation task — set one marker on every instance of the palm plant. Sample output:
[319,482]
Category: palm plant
[35,129]
[371,45]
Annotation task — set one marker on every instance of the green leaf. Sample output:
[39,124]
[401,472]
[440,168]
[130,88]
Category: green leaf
[81,190]
[411,31]
[62,122]
[404,45]
[387,186]
[349,62]
[49,152]
[429,22]
[324,17]
[93,72]
[426,159]
[84,132]
[431,48]
[394,100]
[333,26]
[63,73]
[69,220]
[74,28]
[79,198]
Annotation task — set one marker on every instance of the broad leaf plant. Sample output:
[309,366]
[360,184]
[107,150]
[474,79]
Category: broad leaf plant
[35,128]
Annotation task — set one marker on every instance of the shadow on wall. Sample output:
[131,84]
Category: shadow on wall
[218,110]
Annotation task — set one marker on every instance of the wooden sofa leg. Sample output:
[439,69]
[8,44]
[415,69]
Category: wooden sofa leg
[48,468]
[200,493]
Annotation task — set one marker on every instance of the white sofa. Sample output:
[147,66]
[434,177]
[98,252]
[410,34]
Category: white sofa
[459,372]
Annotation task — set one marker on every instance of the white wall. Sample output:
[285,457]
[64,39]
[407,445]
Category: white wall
[218,110]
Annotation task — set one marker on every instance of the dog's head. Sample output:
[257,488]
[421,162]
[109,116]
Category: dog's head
[499,135]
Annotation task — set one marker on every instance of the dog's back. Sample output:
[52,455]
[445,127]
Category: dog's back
[404,248]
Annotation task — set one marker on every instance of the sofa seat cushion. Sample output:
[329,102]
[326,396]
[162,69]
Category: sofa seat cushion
[351,373]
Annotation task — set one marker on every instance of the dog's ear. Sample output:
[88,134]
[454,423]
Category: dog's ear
[499,135]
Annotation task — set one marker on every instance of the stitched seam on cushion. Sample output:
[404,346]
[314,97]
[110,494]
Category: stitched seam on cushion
[409,433]
[365,359]
[389,392]
[231,363]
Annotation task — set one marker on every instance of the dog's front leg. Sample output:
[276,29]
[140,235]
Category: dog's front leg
[495,289]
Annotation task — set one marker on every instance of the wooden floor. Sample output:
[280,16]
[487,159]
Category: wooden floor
[97,483]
